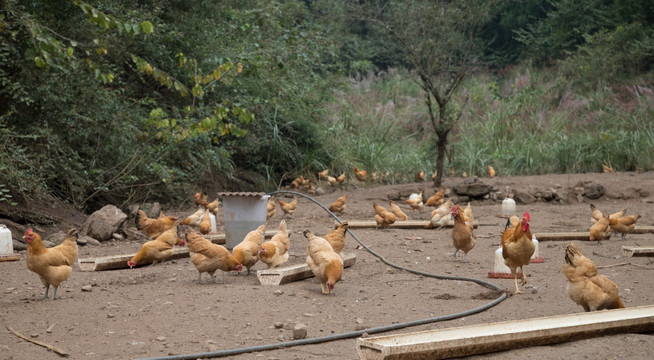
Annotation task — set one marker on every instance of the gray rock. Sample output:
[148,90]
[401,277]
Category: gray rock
[593,190]
[299,331]
[19,245]
[87,288]
[56,238]
[152,210]
[523,197]
[89,240]
[103,223]
[473,190]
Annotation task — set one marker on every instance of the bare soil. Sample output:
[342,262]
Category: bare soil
[162,310]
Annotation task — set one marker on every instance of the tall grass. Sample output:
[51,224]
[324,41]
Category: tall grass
[527,122]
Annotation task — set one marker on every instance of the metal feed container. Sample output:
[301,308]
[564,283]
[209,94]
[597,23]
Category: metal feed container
[243,212]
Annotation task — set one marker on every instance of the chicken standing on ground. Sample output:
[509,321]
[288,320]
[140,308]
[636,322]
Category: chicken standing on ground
[338,205]
[415,201]
[152,228]
[288,207]
[198,198]
[336,238]
[420,176]
[361,175]
[270,208]
[275,252]
[517,246]
[205,222]
[436,199]
[326,265]
[323,174]
[462,236]
[212,206]
[209,257]
[585,286]
[247,251]
[623,224]
[596,214]
[340,178]
[53,265]
[397,211]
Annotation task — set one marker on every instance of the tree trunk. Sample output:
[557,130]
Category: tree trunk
[441,144]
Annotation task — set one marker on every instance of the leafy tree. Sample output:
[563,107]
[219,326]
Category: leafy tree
[438,39]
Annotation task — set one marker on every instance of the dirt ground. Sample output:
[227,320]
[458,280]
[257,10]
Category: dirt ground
[162,310]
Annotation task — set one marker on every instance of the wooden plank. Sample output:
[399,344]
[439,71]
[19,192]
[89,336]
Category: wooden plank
[638,251]
[406,224]
[10,257]
[500,336]
[279,276]
[563,236]
[643,230]
[114,262]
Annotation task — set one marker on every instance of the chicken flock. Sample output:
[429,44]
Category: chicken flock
[324,254]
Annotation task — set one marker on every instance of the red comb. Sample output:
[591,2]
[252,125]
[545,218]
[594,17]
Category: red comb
[29,231]
[526,216]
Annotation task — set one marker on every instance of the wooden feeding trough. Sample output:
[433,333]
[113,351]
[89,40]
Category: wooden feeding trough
[406,224]
[500,336]
[114,262]
[638,251]
[283,275]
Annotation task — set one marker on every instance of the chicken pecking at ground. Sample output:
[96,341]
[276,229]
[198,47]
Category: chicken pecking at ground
[209,257]
[600,229]
[336,237]
[247,251]
[462,236]
[441,216]
[517,246]
[324,262]
[157,250]
[53,265]
[193,219]
[275,251]
[397,211]
[383,217]
[339,204]
[585,286]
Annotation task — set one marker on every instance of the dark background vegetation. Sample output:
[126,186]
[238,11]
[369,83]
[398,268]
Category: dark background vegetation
[131,101]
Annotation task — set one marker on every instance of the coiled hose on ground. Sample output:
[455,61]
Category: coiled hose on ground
[352,334]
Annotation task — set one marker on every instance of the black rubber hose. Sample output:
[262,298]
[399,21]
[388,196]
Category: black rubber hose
[352,334]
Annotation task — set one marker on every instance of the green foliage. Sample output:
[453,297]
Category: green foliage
[611,56]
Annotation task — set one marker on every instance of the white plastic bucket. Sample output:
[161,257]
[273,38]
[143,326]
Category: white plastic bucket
[6,244]
[243,214]
[508,207]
